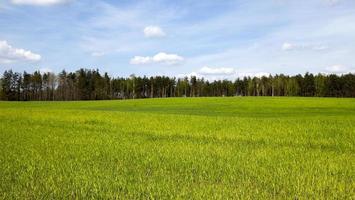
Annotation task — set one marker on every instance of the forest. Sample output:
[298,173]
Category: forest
[85,84]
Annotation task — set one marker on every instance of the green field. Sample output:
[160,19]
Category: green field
[187,148]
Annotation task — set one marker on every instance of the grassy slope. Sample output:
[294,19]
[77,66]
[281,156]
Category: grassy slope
[257,148]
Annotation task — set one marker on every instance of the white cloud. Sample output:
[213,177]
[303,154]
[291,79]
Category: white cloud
[289,46]
[153,32]
[216,71]
[140,60]
[319,47]
[338,69]
[97,54]
[161,58]
[39,2]
[332,2]
[252,74]
[9,54]
[45,70]
[189,75]
[223,73]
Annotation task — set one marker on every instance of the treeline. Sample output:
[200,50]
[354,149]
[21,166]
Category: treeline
[91,85]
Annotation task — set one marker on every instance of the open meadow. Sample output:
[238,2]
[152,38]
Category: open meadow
[184,148]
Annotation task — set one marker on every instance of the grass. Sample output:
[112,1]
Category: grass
[183,148]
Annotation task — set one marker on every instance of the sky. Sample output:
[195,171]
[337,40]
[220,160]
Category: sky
[209,38]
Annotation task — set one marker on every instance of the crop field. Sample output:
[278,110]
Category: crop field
[179,148]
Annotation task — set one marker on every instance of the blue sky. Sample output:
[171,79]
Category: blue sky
[213,39]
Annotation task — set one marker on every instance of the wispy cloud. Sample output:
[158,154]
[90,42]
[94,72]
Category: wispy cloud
[332,2]
[292,46]
[39,2]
